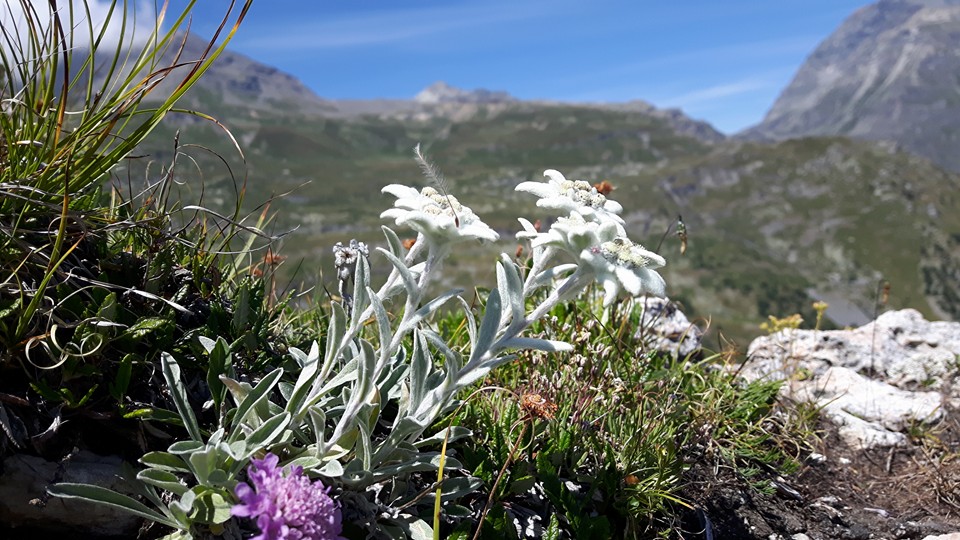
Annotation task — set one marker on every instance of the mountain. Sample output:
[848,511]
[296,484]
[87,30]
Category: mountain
[890,72]
[441,92]
[772,225]
[235,80]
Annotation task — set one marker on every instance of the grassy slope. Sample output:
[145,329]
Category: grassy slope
[767,222]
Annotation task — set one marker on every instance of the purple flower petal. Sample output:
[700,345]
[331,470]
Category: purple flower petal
[287,506]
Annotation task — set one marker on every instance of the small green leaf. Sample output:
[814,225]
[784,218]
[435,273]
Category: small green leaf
[145,327]
[118,388]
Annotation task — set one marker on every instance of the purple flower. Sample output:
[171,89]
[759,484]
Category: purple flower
[287,506]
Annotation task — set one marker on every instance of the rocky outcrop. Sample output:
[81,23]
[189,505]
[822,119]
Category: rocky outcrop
[25,505]
[875,382]
[889,72]
[663,327]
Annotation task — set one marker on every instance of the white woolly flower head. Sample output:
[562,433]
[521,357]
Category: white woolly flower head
[578,196]
[439,217]
[621,264]
[603,250]
[571,234]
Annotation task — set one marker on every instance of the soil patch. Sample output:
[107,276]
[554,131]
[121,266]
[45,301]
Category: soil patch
[906,492]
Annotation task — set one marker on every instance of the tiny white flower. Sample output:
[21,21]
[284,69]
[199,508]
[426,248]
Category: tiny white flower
[619,263]
[439,217]
[567,196]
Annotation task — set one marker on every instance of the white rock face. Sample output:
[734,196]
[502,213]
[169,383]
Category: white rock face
[874,382]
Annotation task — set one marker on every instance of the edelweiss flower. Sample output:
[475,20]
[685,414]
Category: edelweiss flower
[287,506]
[345,258]
[573,196]
[571,234]
[439,217]
[603,250]
[621,263]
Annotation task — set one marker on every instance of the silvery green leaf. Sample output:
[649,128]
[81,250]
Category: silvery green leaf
[354,475]
[253,398]
[215,437]
[405,427]
[511,290]
[432,306]
[348,373]
[104,496]
[396,246]
[202,463]
[455,488]
[383,326]
[207,343]
[238,389]
[389,382]
[474,375]
[364,450]
[546,345]
[471,322]
[164,461]
[165,480]
[185,447]
[211,507]
[308,371]
[183,507]
[406,276]
[488,327]
[318,420]
[419,368]
[361,300]
[308,461]
[298,355]
[171,373]
[335,332]
[219,478]
[330,469]
[236,449]
[426,461]
[359,394]
[548,276]
[266,434]
[419,530]
[455,433]
[451,357]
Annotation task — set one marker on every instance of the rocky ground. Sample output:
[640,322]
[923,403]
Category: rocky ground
[888,461]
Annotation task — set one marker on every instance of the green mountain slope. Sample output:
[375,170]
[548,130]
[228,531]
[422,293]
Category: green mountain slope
[772,225]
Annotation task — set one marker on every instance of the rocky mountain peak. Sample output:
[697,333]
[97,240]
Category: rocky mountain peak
[441,92]
[889,72]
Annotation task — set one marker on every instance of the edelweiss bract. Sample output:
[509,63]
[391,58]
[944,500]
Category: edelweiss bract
[439,217]
[568,196]
[619,263]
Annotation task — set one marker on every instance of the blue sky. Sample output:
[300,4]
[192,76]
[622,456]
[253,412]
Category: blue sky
[724,61]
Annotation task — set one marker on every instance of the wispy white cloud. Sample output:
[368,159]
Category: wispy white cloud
[717,92]
[385,26]
[85,13]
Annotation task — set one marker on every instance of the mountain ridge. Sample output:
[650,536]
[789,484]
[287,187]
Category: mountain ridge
[891,71]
